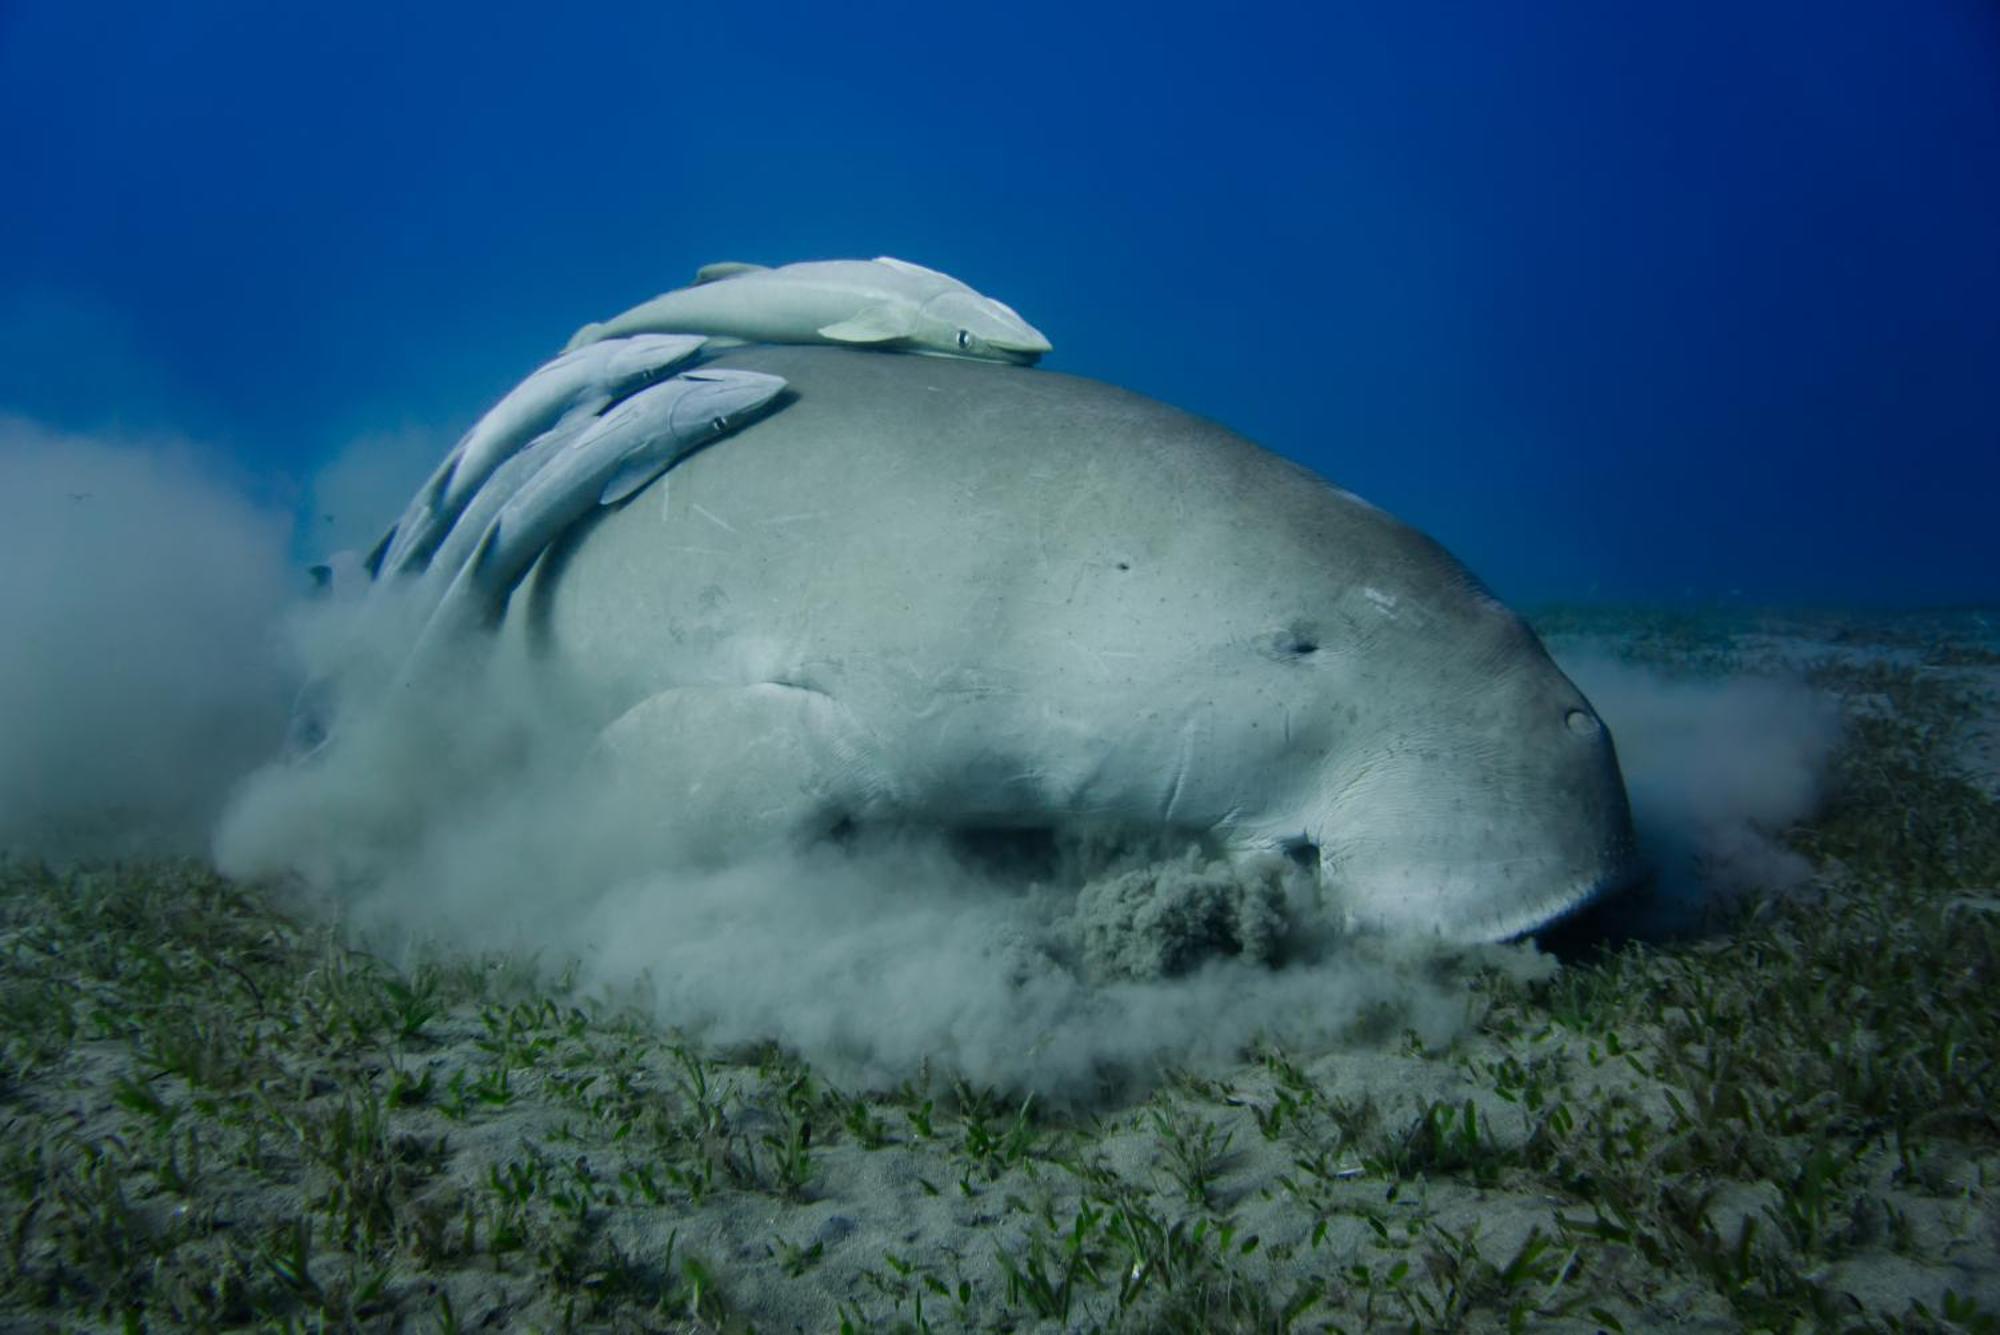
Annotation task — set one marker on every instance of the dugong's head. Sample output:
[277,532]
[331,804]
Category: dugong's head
[966,324]
[1477,798]
[1432,762]
[1321,679]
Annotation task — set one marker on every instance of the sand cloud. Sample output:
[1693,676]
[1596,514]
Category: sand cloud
[154,647]
[470,818]
[141,672]
[1716,768]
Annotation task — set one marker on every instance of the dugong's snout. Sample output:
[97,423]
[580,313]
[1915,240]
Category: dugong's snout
[1483,822]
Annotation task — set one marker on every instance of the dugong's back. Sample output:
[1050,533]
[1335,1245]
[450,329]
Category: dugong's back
[899,498]
[1035,597]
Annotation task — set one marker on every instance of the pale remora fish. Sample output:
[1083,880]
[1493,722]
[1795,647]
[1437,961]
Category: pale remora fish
[575,386]
[884,303]
[609,461]
[456,548]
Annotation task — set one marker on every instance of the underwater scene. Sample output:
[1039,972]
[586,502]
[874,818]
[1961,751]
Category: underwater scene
[885,668]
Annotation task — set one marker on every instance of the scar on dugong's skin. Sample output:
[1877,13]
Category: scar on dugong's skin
[948,594]
[886,303]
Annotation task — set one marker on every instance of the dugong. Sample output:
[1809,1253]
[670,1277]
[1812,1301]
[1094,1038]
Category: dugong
[885,303]
[575,386]
[977,598]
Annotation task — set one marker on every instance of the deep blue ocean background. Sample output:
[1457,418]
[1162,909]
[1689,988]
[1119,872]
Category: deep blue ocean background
[1686,301]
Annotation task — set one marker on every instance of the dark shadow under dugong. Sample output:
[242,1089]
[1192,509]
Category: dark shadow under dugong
[972,596]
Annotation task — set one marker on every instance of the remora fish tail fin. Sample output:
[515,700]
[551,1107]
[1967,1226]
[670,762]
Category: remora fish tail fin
[715,273]
[876,324]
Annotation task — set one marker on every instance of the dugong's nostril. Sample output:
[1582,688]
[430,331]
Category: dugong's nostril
[1580,723]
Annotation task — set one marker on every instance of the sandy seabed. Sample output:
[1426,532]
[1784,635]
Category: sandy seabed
[218,1112]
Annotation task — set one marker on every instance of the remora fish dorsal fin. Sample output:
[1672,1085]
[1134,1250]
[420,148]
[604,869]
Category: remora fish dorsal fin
[715,273]
[874,324]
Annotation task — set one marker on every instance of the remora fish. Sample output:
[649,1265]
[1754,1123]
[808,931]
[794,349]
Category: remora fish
[607,462]
[884,302]
[577,385]
[457,547]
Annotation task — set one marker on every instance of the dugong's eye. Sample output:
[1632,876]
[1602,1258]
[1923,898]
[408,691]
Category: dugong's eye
[964,339]
[718,424]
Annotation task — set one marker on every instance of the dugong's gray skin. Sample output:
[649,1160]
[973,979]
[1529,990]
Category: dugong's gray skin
[967,595]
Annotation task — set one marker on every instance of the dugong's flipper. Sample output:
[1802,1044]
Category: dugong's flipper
[698,773]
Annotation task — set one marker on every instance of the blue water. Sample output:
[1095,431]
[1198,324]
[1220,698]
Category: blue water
[1696,302]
